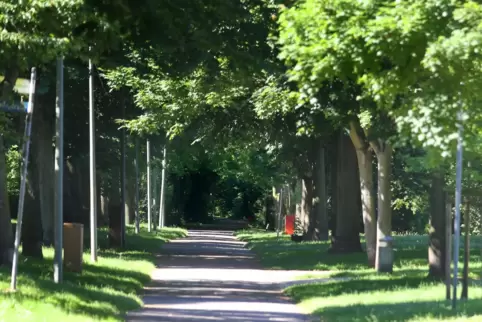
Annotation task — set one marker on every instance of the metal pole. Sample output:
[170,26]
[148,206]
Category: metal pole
[163,183]
[26,150]
[136,164]
[149,199]
[93,185]
[59,172]
[458,200]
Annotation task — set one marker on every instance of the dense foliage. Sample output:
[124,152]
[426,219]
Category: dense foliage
[247,96]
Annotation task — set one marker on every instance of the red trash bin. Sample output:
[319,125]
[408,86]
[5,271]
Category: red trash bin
[290,224]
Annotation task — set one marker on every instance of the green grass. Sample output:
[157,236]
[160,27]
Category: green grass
[280,253]
[359,293]
[104,291]
[384,298]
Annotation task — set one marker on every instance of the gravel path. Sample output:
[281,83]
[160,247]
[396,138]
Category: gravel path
[211,276]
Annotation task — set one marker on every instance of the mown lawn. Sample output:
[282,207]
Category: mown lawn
[360,294]
[104,291]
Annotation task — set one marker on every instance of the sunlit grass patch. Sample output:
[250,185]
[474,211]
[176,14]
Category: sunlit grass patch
[103,292]
[358,293]
[384,298]
[281,253]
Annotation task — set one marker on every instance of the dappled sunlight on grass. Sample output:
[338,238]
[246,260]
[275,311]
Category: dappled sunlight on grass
[282,253]
[104,290]
[383,298]
[357,292]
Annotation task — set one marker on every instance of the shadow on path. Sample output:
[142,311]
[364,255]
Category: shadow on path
[211,276]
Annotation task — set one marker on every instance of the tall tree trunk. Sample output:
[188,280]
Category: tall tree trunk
[384,258]
[43,155]
[465,274]
[307,214]
[298,226]
[276,208]
[177,200]
[32,222]
[103,200]
[83,189]
[319,202]
[304,210]
[348,199]
[76,198]
[155,196]
[130,187]
[437,244]
[130,201]
[269,206]
[114,209]
[123,176]
[333,164]
[6,236]
[365,168]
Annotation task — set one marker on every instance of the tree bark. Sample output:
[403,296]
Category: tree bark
[83,189]
[177,200]
[114,210]
[76,198]
[348,200]
[43,155]
[333,164]
[155,196]
[32,222]
[365,168]
[465,274]
[268,218]
[298,226]
[6,235]
[384,258]
[103,201]
[437,243]
[130,201]
[319,202]
[307,214]
[123,189]
[130,188]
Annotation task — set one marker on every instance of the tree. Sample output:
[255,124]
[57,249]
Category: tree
[365,165]
[34,33]
[347,41]
[437,245]
[346,192]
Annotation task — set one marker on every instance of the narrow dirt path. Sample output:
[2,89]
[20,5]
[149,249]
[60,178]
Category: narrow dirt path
[211,276]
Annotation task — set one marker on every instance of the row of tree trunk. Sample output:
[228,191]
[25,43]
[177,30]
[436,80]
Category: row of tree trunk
[345,195]
[350,184]
[38,223]
[352,193]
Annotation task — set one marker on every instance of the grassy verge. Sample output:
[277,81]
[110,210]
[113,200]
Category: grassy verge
[103,292]
[359,293]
